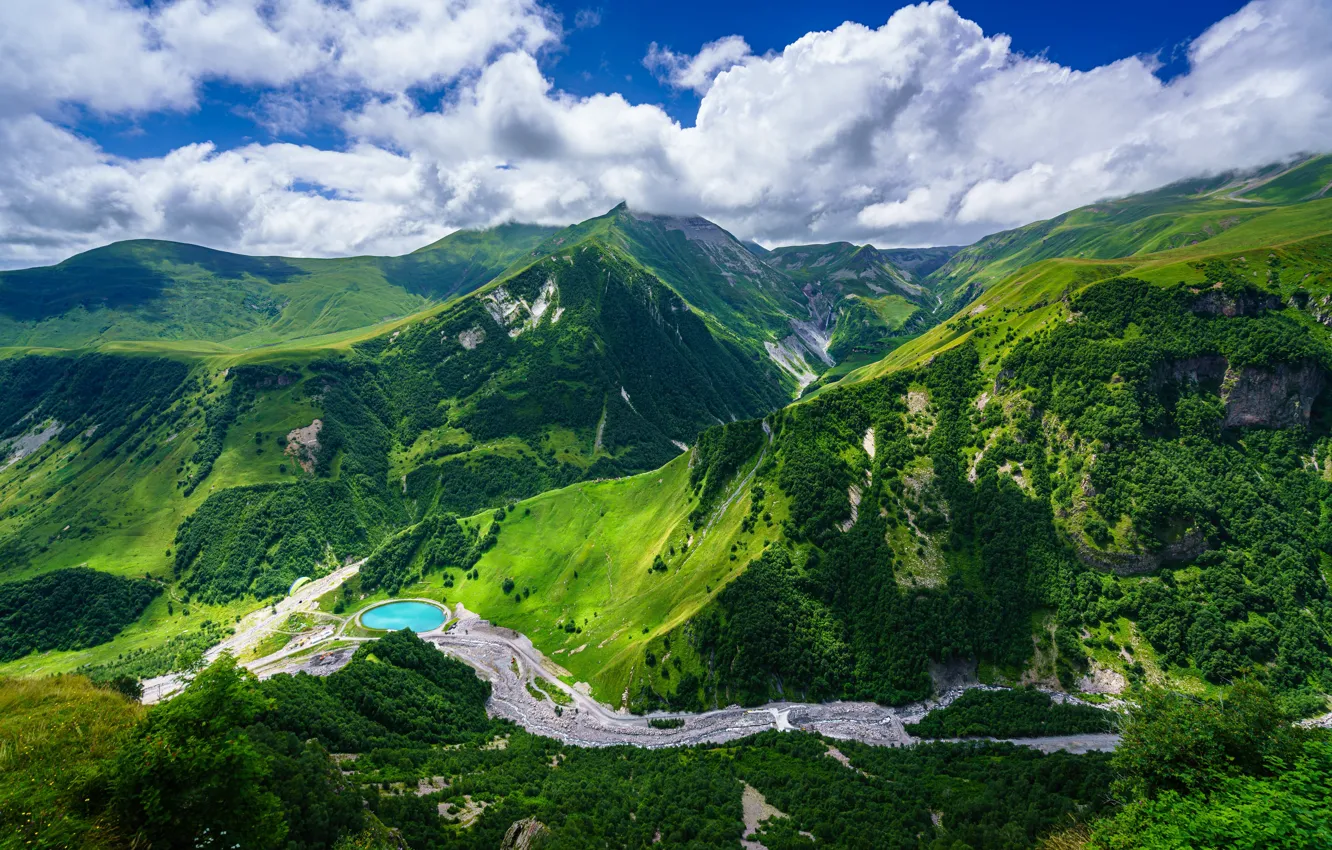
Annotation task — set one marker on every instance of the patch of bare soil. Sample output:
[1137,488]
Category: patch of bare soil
[1103,680]
[303,444]
[756,811]
[20,447]
[467,814]
[470,339]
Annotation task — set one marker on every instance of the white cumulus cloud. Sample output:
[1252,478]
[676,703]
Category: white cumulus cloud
[698,71]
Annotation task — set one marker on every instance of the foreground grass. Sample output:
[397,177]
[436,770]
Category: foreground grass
[61,721]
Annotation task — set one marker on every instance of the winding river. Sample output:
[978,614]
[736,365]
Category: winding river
[509,661]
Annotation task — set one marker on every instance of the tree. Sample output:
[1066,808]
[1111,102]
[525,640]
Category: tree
[191,777]
[1183,745]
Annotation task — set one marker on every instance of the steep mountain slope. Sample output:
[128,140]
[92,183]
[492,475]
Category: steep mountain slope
[1191,212]
[152,290]
[763,309]
[791,304]
[235,474]
[1100,475]
[871,297]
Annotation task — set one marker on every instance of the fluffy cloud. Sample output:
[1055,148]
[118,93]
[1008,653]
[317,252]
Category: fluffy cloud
[698,71]
[116,56]
[924,130]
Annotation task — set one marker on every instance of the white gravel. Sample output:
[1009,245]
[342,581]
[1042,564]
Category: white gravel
[494,652]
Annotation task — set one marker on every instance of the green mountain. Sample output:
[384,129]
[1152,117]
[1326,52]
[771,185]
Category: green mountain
[1192,212]
[714,272]
[167,291]
[807,308]
[1108,473]
[584,365]
[870,298]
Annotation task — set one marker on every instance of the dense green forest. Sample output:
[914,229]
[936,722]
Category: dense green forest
[68,609]
[250,759]
[1157,459]
[1016,713]
[421,765]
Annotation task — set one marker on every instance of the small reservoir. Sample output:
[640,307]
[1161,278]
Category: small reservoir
[417,616]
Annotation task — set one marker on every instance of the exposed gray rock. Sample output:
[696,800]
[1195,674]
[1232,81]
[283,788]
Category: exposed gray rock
[1188,547]
[303,444]
[1214,302]
[1278,397]
[524,834]
[1205,370]
[1281,397]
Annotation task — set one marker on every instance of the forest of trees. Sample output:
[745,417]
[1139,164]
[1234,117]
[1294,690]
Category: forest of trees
[1015,713]
[68,609]
[1093,406]
[249,760]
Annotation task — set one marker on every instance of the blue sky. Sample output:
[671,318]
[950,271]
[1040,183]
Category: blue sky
[1079,35]
[606,54]
[334,127]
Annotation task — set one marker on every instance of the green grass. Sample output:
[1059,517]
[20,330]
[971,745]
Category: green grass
[155,627]
[1033,297]
[280,637]
[133,507]
[67,722]
[1192,214]
[1310,179]
[170,292]
[892,310]
[608,534]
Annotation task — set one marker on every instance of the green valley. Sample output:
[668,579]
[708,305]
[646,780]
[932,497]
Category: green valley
[1089,458]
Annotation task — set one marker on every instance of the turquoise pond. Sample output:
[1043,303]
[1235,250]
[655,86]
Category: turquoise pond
[417,616]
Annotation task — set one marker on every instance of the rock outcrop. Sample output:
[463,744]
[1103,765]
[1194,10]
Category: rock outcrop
[1188,547]
[1281,396]
[1215,302]
[303,444]
[525,834]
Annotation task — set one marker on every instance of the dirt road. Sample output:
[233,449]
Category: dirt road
[258,625]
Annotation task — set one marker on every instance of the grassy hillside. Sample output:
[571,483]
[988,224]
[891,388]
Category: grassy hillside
[151,290]
[1189,213]
[599,569]
[871,299]
[290,459]
[1289,240]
